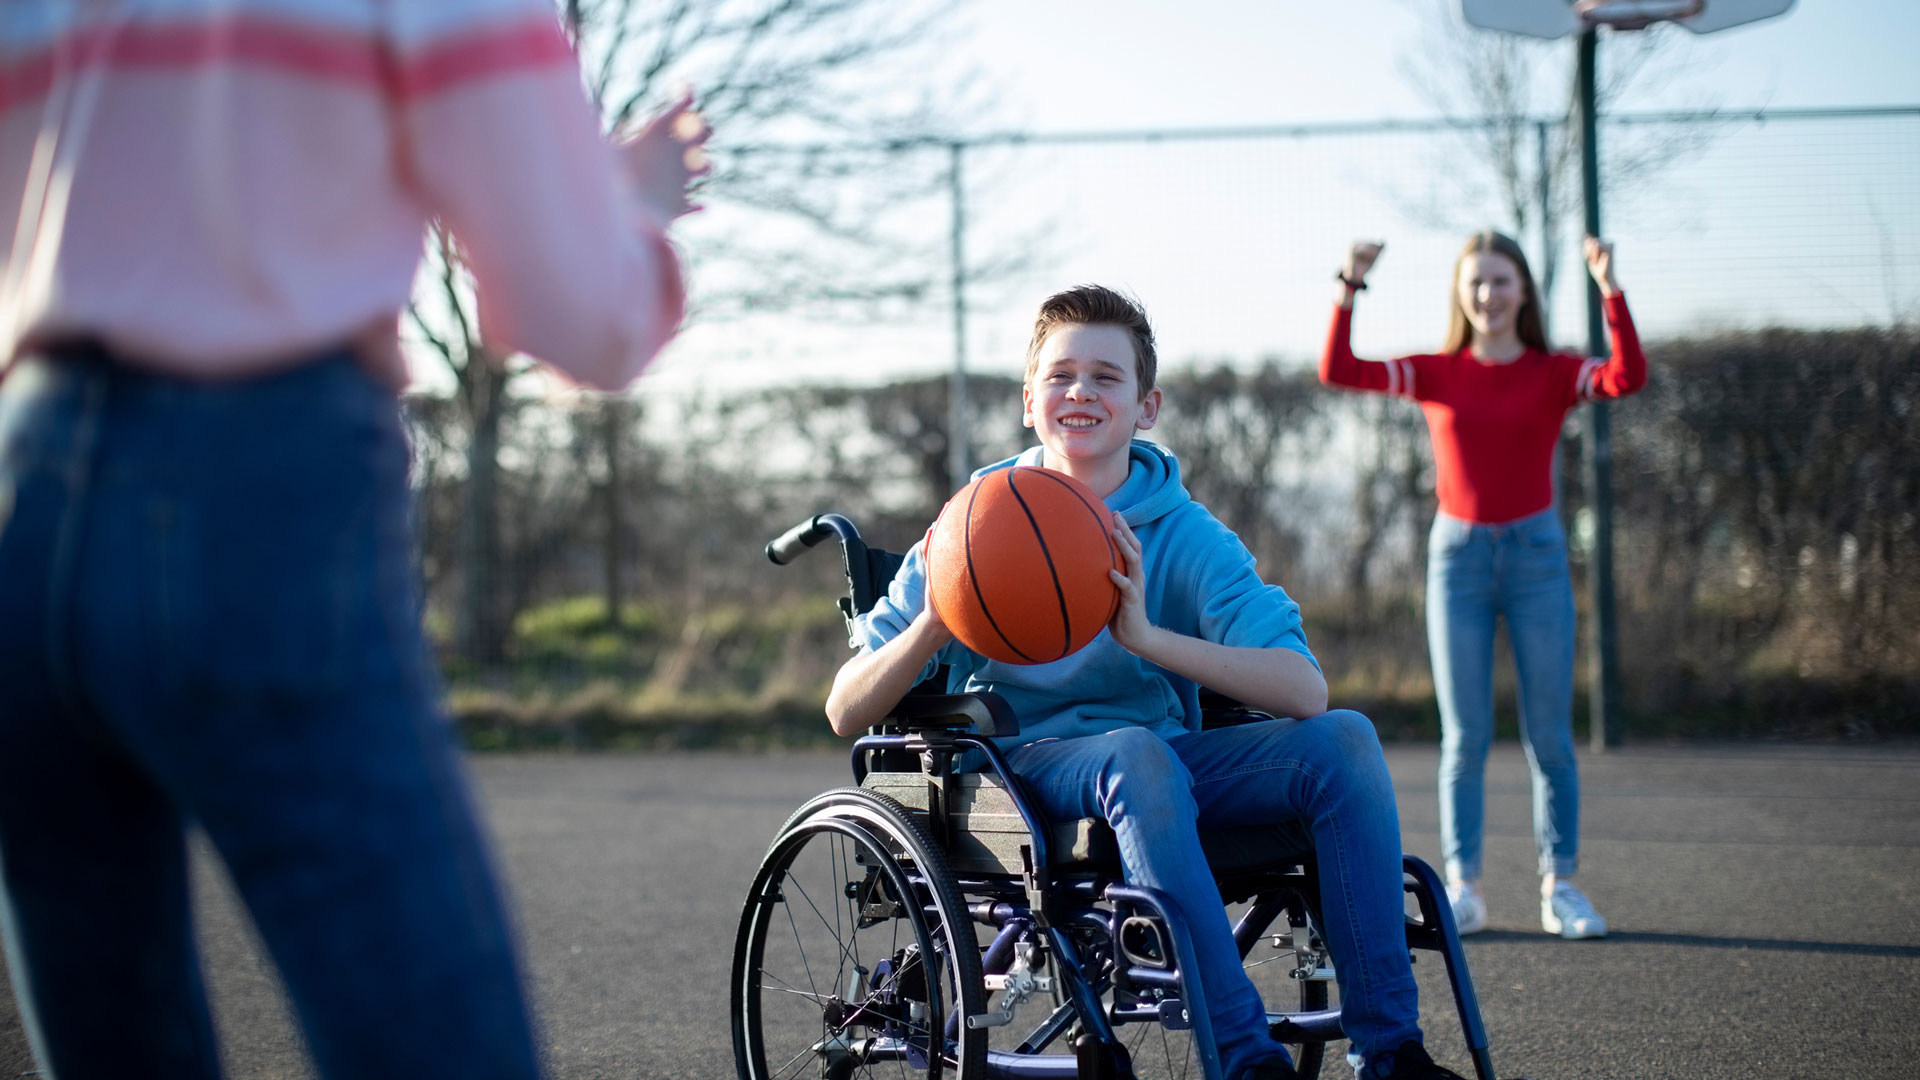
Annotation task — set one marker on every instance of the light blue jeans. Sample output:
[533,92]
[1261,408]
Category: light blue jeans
[1477,574]
[208,618]
[1327,772]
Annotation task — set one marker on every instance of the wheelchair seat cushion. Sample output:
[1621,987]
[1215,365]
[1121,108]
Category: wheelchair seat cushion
[987,832]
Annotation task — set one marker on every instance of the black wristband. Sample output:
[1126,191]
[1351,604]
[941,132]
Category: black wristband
[1341,277]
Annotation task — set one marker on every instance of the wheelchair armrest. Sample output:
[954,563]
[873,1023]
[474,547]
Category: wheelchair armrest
[987,713]
[1234,717]
[1217,710]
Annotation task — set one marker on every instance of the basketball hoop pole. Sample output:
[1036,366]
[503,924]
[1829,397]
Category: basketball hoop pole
[1551,20]
[1603,649]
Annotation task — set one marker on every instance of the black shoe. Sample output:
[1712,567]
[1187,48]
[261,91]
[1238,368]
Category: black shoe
[1409,1062]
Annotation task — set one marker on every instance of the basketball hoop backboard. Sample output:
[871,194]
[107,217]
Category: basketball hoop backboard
[1634,14]
[1721,14]
[1558,18]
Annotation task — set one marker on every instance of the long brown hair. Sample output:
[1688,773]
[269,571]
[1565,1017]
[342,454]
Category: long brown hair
[1526,324]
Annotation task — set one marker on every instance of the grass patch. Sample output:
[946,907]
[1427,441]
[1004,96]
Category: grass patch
[735,676]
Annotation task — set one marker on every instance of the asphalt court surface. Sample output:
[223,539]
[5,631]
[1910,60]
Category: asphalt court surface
[1765,900]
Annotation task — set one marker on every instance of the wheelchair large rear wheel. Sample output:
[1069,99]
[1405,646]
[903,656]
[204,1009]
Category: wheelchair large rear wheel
[856,956]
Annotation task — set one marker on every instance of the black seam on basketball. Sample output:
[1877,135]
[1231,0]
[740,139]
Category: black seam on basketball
[1060,594]
[973,578]
[1106,530]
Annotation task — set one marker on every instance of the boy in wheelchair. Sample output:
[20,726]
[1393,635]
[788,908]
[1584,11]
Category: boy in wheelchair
[1113,730]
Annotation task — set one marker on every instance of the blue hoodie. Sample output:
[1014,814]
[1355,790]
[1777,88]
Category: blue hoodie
[1200,582]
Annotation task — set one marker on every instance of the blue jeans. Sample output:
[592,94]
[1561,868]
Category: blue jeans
[1476,574]
[1328,772]
[208,616]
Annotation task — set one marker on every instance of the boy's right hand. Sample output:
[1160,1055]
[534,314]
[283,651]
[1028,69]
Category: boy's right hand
[930,629]
[871,683]
[929,620]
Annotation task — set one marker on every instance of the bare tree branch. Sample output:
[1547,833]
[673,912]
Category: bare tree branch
[1498,85]
[826,234]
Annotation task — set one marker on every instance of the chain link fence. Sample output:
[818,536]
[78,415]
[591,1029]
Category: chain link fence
[1766,529]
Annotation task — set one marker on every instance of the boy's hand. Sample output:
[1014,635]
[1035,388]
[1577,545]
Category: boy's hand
[929,630]
[928,627]
[1130,626]
[870,684]
[1276,680]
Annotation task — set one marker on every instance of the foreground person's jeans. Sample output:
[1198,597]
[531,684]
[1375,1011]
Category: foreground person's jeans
[1475,575]
[1326,772]
[208,617]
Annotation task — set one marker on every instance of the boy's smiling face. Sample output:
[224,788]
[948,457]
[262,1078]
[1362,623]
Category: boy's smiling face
[1084,399]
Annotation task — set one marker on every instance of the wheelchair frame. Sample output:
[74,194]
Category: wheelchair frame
[1117,953]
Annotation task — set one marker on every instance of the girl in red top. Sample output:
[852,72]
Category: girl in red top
[1495,400]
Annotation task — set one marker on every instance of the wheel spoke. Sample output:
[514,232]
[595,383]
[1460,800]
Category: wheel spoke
[798,944]
[786,987]
[1186,1057]
[792,1063]
[830,928]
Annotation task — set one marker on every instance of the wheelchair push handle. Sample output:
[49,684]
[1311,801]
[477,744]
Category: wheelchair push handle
[798,540]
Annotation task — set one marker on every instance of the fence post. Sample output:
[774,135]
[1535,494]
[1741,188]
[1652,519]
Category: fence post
[959,454]
[1603,677]
[1548,263]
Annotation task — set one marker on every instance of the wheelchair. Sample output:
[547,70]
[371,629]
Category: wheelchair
[926,921]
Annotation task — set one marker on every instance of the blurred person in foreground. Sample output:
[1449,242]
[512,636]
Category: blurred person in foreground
[208,612]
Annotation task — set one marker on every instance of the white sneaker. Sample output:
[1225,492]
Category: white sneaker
[1567,911]
[1469,910]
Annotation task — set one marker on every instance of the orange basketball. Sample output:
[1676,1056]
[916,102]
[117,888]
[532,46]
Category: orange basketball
[1017,565]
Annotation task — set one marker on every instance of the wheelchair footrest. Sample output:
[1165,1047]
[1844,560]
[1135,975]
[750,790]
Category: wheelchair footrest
[1322,1026]
[1143,941]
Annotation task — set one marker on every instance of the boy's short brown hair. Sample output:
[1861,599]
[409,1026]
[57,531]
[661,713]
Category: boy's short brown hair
[1097,305]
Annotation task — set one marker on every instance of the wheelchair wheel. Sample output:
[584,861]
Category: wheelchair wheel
[856,956]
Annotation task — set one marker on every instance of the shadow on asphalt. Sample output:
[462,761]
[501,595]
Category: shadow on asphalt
[1837,948]
[1703,941]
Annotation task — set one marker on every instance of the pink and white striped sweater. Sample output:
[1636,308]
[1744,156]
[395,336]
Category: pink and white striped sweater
[216,187]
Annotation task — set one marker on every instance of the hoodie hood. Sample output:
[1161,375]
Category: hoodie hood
[1152,489]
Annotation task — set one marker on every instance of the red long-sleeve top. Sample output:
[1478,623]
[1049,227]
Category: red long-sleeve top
[1494,425]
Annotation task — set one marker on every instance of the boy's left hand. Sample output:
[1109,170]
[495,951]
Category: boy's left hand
[1130,626]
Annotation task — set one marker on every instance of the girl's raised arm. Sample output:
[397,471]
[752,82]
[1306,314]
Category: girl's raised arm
[1624,371]
[1338,365]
